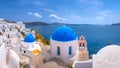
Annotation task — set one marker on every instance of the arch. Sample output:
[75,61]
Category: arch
[82,45]
[58,50]
[70,50]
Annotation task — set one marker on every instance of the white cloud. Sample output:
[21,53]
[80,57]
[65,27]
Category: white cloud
[57,17]
[49,10]
[35,14]
[91,2]
[104,14]
[83,1]
[32,2]
[1,19]
[30,13]
[76,17]
[96,2]
[38,3]
[100,18]
[91,5]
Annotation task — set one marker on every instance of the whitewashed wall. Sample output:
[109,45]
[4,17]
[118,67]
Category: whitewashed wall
[64,50]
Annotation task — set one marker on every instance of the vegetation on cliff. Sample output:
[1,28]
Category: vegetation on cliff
[41,39]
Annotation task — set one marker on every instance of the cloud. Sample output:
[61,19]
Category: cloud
[49,10]
[83,1]
[57,17]
[100,18]
[38,3]
[91,5]
[30,13]
[104,14]
[32,2]
[35,14]
[76,17]
[1,19]
[91,2]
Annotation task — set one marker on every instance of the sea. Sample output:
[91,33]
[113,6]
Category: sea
[97,36]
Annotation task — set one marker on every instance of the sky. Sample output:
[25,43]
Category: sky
[63,11]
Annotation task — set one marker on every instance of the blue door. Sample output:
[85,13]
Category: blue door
[58,50]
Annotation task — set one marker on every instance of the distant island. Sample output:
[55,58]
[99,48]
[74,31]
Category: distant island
[35,23]
[40,23]
[116,24]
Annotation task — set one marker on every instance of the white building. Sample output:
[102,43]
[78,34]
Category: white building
[107,57]
[30,45]
[63,45]
[8,58]
[4,27]
[21,25]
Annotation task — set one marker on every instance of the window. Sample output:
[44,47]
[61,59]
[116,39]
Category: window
[81,45]
[24,51]
[70,50]
[58,50]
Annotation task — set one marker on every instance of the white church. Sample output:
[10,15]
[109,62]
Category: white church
[30,47]
[64,45]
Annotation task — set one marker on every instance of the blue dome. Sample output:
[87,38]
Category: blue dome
[64,34]
[29,38]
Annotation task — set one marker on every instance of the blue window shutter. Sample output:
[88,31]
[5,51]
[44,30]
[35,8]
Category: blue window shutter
[58,50]
[70,50]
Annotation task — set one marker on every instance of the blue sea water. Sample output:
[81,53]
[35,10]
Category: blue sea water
[97,36]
